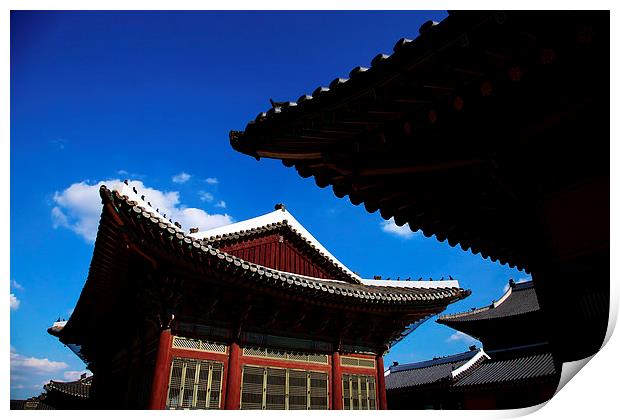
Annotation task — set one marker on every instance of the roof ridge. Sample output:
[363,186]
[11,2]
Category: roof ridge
[291,279]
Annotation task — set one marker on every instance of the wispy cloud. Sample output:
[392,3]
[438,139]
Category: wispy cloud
[78,208]
[389,226]
[59,143]
[29,374]
[15,285]
[205,196]
[211,181]
[131,175]
[459,336]
[74,375]
[25,365]
[221,204]
[181,178]
[15,302]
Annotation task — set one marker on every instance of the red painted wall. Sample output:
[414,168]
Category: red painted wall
[275,251]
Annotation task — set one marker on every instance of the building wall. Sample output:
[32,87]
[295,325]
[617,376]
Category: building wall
[277,366]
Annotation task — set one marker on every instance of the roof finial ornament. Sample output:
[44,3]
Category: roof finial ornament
[280,206]
[511,283]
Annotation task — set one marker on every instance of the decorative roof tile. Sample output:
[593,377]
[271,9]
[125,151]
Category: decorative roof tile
[79,388]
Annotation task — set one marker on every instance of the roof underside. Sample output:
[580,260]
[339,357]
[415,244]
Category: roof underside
[436,134]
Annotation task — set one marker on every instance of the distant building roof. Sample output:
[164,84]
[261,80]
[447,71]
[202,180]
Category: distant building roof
[79,388]
[427,372]
[520,298]
[30,404]
[509,371]
[472,368]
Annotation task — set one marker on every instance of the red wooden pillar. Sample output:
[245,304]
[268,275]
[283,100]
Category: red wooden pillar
[381,384]
[336,382]
[233,379]
[161,374]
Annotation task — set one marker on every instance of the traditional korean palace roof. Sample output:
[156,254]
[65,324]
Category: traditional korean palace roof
[508,372]
[519,299]
[199,273]
[78,389]
[472,369]
[415,133]
[433,371]
[278,221]
[195,246]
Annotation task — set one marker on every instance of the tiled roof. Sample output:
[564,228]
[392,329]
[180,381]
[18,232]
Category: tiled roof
[149,224]
[508,371]
[425,373]
[396,125]
[79,388]
[30,404]
[359,78]
[483,372]
[520,298]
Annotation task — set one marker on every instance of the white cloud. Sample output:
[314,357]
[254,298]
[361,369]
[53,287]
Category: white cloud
[507,285]
[459,336]
[221,204]
[15,285]
[23,366]
[29,374]
[74,375]
[14,302]
[391,227]
[181,178]
[205,196]
[211,181]
[78,208]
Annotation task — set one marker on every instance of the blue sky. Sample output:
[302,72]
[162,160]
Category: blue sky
[151,96]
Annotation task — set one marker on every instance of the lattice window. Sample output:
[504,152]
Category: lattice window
[297,390]
[284,355]
[276,389]
[318,391]
[194,384]
[357,361]
[198,345]
[358,392]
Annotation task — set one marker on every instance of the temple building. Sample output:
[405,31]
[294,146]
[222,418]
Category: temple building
[488,130]
[515,368]
[254,315]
